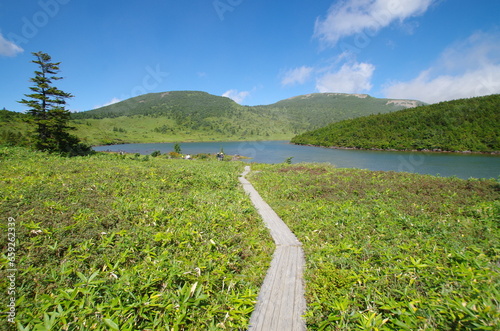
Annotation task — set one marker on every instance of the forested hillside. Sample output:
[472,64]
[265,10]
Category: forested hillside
[199,116]
[459,125]
[319,109]
[179,105]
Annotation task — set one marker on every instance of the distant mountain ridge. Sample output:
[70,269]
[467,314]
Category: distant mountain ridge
[198,101]
[178,116]
[320,109]
[459,125]
[200,116]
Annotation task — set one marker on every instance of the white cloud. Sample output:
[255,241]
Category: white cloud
[351,78]
[8,48]
[478,50]
[445,87]
[350,17]
[466,69]
[114,100]
[237,96]
[297,76]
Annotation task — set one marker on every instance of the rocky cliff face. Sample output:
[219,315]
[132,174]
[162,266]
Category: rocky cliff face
[404,103]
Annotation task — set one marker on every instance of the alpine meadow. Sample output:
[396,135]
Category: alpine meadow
[110,242]
[231,165]
[155,242]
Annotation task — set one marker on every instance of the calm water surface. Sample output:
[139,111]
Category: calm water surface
[442,164]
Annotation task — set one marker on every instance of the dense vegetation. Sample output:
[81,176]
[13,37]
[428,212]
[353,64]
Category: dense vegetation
[319,109]
[391,251]
[14,129]
[459,125]
[199,116]
[110,242]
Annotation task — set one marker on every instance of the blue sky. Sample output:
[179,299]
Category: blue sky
[254,51]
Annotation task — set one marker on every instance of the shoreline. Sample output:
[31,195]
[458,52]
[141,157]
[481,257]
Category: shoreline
[494,153]
[191,141]
[401,150]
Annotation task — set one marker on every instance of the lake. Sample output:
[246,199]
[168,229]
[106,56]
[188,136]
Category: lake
[441,164]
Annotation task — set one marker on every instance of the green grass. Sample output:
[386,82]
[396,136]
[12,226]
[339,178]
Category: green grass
[391,251]
[145,243]
[138,243]
[146,129]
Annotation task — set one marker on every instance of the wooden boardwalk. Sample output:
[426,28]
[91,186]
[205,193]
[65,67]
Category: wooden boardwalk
[281,302]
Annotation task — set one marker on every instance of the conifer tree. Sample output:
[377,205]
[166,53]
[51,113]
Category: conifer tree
[48,113]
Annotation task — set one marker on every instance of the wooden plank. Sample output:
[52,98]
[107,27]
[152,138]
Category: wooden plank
[279,230]
[281,301]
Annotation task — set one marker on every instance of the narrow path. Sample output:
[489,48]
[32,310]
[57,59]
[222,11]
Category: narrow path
[281,301]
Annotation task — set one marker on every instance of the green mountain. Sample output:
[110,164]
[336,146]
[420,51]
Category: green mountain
[459,125]
[318,109]
[199,116]
[180,105]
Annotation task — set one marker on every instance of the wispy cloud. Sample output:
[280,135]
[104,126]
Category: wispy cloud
[351,78]
[8,48]
[466,69]
[114,100]
[236,95]
[350,17]
[297,76]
